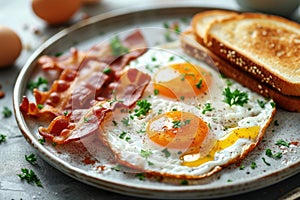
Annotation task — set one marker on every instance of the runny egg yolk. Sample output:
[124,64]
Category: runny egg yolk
[181,80]
[183,131]
[194,160]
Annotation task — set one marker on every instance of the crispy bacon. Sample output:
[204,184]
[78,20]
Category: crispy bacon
[129,89]
[85,93]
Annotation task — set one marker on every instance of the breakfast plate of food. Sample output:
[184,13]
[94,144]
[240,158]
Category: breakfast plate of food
[167,101]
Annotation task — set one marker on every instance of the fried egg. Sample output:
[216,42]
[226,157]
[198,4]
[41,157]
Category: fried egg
[190,130]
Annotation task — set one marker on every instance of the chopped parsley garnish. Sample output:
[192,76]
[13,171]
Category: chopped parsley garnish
[30,177]
[229,180]
[42,141]
[66,113]
[107,70]
[37,84]
[171,58]
[276,156]
[31,158]
[114,123]
[166,152]
[207,107]
[86,119]
[40,106]
[54,144]
[153,58]
[6,112]
[199,84]
[156,92]
[58,54]
[179,123]
[273,104]
[168,36]
[182,98]
[141,176]
[228,82]
[265,161]
[125,121]
[117,168]
[146,154]
[166,25]
[141,131]
[235,97]
[242,167]
[282,143]
[122,135]
[184,182]
[144,105]
[2,138]
[262,104]
[117,47]
[253,165]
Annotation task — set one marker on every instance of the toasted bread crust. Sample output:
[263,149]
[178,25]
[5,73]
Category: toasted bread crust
[205,18]
[290,103]
[286,53]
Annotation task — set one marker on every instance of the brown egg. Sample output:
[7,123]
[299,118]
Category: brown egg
[55,11]
[10,46]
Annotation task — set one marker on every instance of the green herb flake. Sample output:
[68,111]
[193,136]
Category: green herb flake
[275,156]
[235,97]
[54,144]
[2,138]
[58,54]
[36,84]
[262,104]
[273,104]
[153,59]
[242,167]
[166,152]
[166,25]
[146,154]
[127,139]
[107,70]
[229,180]
[30,177]
[144,108]
[6,112]
[229,82]
[42,141]
[171,58]
[117,168]
[86,119]
[31,158]
[168,37]
[282,143]
[184,182]
[150,163]
[179,124]
[122,135]
[207,108]
[253,165]
[66,113]
[264,160]
[141,176]
[199,84]
[40,106]
[117,47]
[125,121]
[114,123]
[182,98]
[156,92]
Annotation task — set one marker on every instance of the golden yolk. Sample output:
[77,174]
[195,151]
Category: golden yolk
[178,130]
[181,80]
[194,160]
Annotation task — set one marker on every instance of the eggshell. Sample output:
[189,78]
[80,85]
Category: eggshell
[10,46]
[55,11]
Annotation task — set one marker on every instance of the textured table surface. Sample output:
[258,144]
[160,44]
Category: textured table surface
[19,16]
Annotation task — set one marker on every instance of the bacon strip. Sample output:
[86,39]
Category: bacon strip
[129,89]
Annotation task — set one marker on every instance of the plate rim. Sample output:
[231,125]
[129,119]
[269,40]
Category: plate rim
[192,191]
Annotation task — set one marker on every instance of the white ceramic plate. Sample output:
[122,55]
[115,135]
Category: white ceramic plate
[69,159]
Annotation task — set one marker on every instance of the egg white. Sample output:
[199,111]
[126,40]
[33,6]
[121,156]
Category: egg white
[221,120]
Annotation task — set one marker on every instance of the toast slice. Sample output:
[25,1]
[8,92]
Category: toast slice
[202,20]
[265,46]
[192,47]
